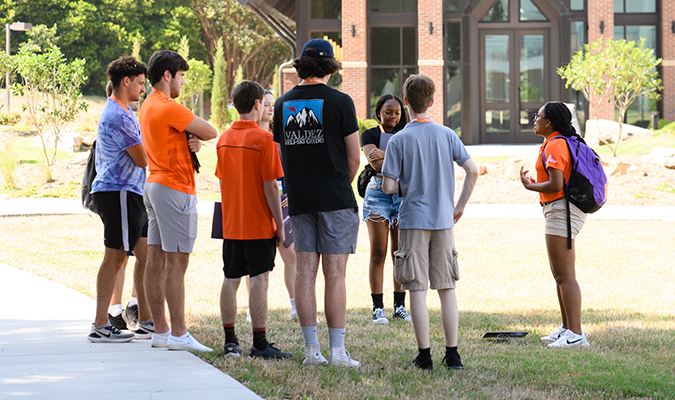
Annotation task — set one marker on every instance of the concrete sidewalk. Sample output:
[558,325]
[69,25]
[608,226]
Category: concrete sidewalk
[44,352]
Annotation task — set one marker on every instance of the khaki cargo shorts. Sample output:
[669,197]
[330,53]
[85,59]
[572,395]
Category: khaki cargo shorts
[426,258]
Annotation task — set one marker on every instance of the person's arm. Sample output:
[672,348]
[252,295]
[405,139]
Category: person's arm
[389,185]
[374,155]
[554,184]
[138,156]
[353,154]
[274,203]
[469,183]
[202,129]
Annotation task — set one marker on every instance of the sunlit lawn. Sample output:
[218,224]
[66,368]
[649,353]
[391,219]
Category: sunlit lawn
[625,270]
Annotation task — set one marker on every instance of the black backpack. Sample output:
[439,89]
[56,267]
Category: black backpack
[88,180]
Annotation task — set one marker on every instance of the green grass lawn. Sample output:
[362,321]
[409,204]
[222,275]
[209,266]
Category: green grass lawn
[624,269]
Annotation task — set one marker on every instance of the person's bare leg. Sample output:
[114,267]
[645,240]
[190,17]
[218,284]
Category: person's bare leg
[105,282]
[257,300]
[247,282]
[562,306]
[290,267]
[174,283]
[141,254]
[420,317]
[305,287]
[378,235]
[334,266]
[393,234]
[118,290]
[154,286]
[562,262]
[228,300]
[449,316]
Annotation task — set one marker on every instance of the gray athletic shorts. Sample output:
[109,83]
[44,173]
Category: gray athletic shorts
[172,218]
[329,232]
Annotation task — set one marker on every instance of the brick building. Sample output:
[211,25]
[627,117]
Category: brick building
[493,61]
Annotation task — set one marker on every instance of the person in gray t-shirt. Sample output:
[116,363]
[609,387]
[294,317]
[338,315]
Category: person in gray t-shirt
[419,160]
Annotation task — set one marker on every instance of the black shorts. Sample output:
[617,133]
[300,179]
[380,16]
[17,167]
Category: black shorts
[124,217]
[248,257]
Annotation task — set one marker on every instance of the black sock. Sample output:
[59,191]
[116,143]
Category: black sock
[399,299]
[230,336]
[377,300]
[425,353]
[260,338]
[450,350]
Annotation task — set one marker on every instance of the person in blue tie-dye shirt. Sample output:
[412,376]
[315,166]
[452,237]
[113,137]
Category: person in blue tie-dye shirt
[118,191]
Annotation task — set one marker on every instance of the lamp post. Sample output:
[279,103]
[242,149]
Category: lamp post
[17,26]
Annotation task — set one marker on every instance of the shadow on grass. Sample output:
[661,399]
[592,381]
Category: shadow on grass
[630,356]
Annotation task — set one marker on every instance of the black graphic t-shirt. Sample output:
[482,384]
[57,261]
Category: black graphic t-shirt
[310,123]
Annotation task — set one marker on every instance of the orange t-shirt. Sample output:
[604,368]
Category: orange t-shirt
[163,123]
[247,157]
[558,157]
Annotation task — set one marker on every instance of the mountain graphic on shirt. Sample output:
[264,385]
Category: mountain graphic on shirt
[305,119]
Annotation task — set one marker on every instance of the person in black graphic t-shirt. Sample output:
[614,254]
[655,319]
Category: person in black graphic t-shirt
[317,129]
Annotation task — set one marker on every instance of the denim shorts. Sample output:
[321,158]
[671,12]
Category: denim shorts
[379,206]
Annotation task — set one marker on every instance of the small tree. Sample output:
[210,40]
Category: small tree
[197,79]
[51,88]
[219,95]
[631,71]
[586,73]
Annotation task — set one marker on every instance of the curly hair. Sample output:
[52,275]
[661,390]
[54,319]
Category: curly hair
[165,60]
[404,114]
[125,66]
[561,118]
[309,66]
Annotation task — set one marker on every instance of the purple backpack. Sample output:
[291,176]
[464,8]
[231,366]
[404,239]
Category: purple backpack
[587,186]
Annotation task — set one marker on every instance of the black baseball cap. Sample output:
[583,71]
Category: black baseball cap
[322,48]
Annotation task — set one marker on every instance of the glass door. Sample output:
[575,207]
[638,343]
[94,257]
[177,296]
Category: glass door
[514,63]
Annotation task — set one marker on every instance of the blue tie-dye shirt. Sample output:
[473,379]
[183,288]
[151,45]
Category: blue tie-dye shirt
[118,130]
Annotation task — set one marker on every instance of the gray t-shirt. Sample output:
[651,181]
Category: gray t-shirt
[421,158]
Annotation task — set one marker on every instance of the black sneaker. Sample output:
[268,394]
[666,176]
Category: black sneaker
[232,350]
[130,317]
[453,361]
[117,322]
[426,364]
[270,353]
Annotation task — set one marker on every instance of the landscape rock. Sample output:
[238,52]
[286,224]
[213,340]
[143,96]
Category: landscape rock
[660,156]
[482,170]
[609,132]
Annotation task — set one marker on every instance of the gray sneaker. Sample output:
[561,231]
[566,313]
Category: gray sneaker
[379,317]
[400,312]
[145,330]
[108,334]
[232,350]
[130,317]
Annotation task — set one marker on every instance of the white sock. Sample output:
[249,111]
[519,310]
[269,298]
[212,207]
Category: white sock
[133,301]
[115,310]
[292,303]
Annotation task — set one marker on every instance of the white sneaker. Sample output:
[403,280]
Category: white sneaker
[401,313]
[159,339]
[339,356]
[294,314]
[553,336]
[571,339]
[186,342]
[248,314]
[313,356]
[379,317]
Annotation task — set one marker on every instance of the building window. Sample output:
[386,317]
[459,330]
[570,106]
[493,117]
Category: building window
[498,13]
[530,12]
[453,5]
[453,77]
[577,40]
[639,113]
[325,9]
[634,6]
[393,58]
[392,6]
[577,5]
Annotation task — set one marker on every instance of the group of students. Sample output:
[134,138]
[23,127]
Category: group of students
[315,133]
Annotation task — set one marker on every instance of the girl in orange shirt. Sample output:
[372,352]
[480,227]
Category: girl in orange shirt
[554,119]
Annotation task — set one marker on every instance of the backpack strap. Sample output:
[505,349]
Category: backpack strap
[565,192]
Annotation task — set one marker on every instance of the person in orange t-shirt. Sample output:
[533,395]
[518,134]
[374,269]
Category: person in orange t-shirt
[170,197]
[555,119]
[248,168]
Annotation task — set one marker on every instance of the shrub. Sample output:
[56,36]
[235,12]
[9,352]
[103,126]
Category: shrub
[10,118]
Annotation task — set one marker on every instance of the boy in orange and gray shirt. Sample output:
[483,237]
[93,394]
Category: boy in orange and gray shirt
[248,168]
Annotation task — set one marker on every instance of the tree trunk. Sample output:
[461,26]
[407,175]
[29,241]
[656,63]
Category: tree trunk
[622,113]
